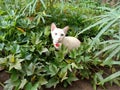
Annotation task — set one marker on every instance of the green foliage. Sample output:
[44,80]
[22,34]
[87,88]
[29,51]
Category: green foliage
[26,49]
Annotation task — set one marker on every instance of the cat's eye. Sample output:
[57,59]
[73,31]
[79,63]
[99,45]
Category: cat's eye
[55,33]
[62,34]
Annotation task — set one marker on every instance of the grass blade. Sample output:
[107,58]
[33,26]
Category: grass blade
[107,48]
[112,76]
[112,54]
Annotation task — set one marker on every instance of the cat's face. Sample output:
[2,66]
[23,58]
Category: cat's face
[57,33]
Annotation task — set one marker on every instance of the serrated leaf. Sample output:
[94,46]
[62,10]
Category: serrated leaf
[52,82]
[53,70]
[63,75]
[23,82]
[30,69]
[42,81]
[16,64]
[74,65]
[71,79]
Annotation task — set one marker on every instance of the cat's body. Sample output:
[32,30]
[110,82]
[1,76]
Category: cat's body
[59,38]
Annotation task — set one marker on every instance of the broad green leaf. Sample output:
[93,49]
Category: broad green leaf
[74,65]
[28,86]
[9,85]
[73,54]
[47,31]
[23,82]
[3,61]
[15,49]
[14,76]
[42,81]
[16,66]
[28,57]
[63,76]
[30,69]
[71,79]
[35,86]
[53,70]
[14,62]
[52,82]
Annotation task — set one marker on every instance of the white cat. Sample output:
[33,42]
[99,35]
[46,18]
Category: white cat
[59,38]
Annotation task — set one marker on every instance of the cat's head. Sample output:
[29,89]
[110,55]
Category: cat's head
[57,33]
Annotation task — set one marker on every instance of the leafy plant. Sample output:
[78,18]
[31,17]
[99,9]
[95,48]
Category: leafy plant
[106,21]
[26,49]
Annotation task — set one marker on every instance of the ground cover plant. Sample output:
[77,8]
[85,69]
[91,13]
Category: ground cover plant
[27,52]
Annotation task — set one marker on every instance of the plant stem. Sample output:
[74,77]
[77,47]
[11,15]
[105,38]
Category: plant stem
[1,84]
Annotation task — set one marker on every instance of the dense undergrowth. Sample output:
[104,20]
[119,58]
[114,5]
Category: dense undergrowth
[26,49]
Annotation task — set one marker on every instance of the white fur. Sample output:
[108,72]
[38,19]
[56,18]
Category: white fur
[58,36]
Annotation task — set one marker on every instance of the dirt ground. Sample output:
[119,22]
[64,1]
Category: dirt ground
[78,85]
[84,85]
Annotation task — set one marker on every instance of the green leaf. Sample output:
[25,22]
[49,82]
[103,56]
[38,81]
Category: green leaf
[43,3]
[112,76]
[23,82]
[15,49]
[112,46]
[74,65]
[52,82]
[35,86]
[14,76]
[1,46]
[112,54]
[3,61]
[73,54]
[16,64]
[71,79]
[42,81]
[28,57]
[30,69]
[47,31]
[9,85]
[53,70]
[28,86]
[63,75]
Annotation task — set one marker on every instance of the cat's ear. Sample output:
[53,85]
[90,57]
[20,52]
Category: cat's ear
[65,29]
[53,26]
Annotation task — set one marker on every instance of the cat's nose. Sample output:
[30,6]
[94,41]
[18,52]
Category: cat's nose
[58,39]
